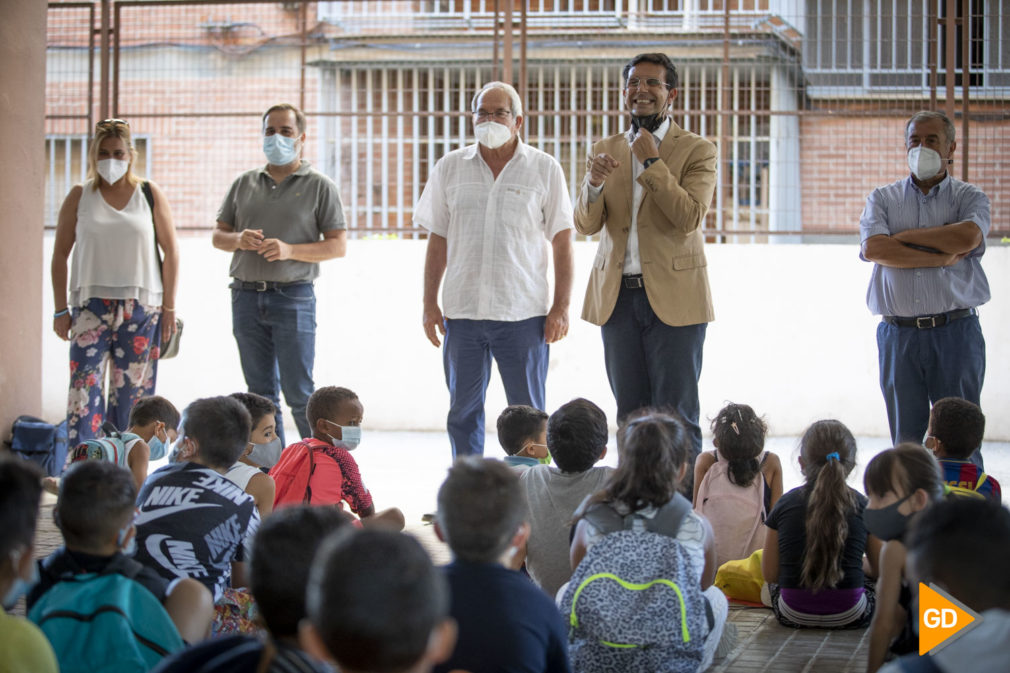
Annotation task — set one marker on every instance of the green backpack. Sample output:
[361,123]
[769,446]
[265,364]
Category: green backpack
[111,448]
[105,623]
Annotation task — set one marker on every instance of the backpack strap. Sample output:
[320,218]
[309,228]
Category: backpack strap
[667,521]
[669,517]
[604,518]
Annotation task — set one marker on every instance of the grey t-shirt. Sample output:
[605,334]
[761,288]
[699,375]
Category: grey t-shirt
[298,210]
[552,497]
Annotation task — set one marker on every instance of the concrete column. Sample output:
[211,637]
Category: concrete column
[22,174]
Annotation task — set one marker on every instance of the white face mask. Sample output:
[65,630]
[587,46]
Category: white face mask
[112,170]
[492,134]
[924,162]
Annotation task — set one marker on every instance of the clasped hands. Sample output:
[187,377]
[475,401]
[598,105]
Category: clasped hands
[271,249]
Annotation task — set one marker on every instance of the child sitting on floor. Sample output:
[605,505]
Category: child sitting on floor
[193,522]
[955,432]
[246,475]
[979,580]
[95,514]
[24,646]
[152,429]
[320,470]
[815,539]
[376,604]
[736,486]
[522,432]
[480,517]
[264,444]
[640,530]
[899,482]
[282,555]
[577,439]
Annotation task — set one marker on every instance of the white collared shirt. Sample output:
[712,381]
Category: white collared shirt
[632,259]
[497,231]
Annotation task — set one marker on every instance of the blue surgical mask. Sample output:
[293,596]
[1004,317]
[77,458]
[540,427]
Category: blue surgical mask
[350,437]
[158,448]
[20,587]
[280,150]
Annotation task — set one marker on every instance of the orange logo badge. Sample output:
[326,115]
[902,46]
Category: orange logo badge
[942,619]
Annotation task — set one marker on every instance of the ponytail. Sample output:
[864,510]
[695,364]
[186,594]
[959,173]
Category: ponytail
[829,454]
[828,506]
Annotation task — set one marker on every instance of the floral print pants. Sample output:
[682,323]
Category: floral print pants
[125,332]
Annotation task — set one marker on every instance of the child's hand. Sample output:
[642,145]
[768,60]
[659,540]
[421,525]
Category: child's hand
[51,485]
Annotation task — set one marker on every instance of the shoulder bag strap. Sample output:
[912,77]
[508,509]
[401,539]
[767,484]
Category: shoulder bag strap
[145,186]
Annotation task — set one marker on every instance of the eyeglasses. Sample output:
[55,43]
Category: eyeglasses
[501,114]
[111,124]
[651,83]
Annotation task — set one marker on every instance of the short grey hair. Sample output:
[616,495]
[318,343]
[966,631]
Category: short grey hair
[926,115]
[517,103]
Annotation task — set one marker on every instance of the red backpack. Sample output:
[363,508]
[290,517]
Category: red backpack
[294,469]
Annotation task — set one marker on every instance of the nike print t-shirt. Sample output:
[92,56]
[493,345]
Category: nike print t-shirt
[194,522]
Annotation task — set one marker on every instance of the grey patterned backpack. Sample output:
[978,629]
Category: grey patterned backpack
[635,602]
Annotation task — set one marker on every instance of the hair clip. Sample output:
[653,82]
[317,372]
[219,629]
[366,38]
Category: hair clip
[735,428]
[833,456]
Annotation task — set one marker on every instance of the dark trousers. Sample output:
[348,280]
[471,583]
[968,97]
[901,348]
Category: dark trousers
[920,366]
[652,364]
[521,353]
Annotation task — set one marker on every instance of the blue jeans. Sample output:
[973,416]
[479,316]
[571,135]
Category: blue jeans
[276,335]
[652,364]
[521,353]
[920,366]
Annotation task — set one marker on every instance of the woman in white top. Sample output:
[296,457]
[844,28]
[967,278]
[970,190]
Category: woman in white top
[119,304]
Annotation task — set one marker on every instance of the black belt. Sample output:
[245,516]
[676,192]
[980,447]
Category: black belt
[633,281]
[929,321]
[264,285]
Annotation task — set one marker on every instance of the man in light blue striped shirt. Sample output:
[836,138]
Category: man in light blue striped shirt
[925,235]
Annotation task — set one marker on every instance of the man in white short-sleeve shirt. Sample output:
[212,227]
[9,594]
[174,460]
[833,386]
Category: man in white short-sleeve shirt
[491,209]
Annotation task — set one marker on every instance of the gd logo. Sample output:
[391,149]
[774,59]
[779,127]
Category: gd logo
[942,618]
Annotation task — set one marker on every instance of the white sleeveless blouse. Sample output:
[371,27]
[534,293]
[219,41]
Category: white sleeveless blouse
[114,255]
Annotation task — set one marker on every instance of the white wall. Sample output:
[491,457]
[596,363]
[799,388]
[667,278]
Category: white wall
[792,337]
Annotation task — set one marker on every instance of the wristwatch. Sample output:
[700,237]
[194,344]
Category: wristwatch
[651,160]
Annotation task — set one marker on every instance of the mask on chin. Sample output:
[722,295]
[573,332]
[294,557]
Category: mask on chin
[648,122]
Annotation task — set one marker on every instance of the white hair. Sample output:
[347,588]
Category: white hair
[517,103]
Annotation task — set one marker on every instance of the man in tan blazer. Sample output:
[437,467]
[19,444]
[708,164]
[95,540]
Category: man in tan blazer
[647,192]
